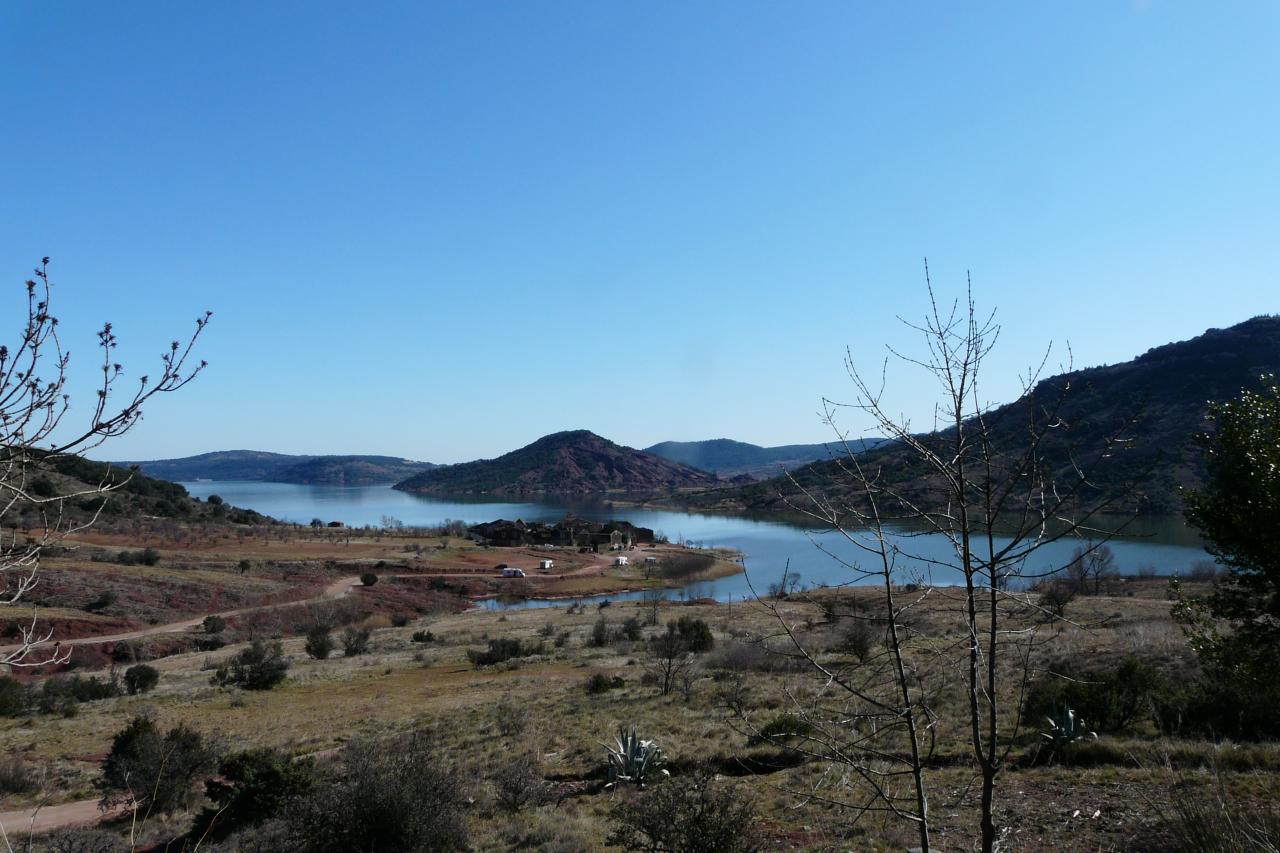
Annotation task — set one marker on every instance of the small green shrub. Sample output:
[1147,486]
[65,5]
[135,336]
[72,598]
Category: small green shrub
[692,815]
[141,678]
[782,728]
[214,624]
[157,770]
[368,578]
[423,637]
[252,787]
[259,667]
[319,643]
[601,683]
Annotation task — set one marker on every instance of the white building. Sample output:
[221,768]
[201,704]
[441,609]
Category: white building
[546,564]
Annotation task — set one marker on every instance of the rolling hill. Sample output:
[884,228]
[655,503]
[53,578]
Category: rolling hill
[564,463]
[730,458]
[258,465]
[1165,391]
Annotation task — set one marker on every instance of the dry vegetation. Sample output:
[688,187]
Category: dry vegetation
[1115,793]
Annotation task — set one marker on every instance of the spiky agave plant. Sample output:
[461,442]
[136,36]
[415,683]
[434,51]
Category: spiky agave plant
[634,761]
[1066,729]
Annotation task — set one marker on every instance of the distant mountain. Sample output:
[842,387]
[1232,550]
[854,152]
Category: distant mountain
[730,458]
[565,463]
[258,465]
[1166,389]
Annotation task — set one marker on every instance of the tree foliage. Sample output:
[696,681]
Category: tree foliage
[153,771]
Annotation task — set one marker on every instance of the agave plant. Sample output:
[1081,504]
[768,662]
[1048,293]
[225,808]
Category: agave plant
[634,761]
[1066,729]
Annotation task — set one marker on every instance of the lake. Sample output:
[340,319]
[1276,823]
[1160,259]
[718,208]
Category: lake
[1163,543]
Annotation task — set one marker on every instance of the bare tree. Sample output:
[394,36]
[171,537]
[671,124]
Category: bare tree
[998,485]
[37,436]
[1091,562]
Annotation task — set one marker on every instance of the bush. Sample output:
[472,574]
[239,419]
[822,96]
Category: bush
[259,667]
[368,578]
[158,771]
[13,697]
[15,777]
[519,783]
[1218,707]
[423,637]
[252,787]
[141,678]
[693,815]
[600,633]
[601,683]
[780,729]
[1105,701]
[632,630]
[695,634]
[319,642]
[397,794]
[214,624]
[500,651]
[85,840]
[355,641]
[1218,824]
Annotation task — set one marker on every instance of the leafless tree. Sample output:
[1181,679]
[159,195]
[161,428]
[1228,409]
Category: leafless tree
[39,430]
[998,485]
[1091,562]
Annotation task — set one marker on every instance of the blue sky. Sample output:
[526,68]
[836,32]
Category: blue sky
[443,230]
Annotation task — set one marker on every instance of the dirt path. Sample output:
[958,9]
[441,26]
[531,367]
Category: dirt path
[20,823]
[340,588]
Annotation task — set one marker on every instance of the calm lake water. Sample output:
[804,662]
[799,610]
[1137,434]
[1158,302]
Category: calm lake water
[817,556]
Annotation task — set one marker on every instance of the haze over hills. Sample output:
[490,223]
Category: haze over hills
[577,462]
[1167,390]
[257,465]
[730,458]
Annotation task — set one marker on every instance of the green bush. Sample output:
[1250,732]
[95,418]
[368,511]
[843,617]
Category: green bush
[368,578]
[423,637]
[252,787]
[398,794]
[501,650]
[319,642]
[1107,700]
[13,697]
[695,634]
[782,728]
[159,771]
[601,683]
[214,624]
[259,667]
[141,678]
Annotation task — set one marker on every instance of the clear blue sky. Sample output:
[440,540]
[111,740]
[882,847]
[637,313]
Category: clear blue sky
[442,230]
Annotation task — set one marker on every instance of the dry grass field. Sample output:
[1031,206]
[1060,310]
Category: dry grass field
[1114,793]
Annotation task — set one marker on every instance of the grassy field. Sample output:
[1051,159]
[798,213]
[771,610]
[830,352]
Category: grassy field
[1111,794]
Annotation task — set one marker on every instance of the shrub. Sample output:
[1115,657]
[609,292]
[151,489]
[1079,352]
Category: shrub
[319,642]
[368,578]
[1218,824]
[254,786]
[355,641]
[423,637]
[501,650]
[600,633]
[15,777]
[1108,701]
[13,697]
[157,771]
[141,678]
[1219,707]
[632,630]
[104,600]
[85,840]
[782,728]
[259,667]
[397,794]
[214,624]
[601,683]
[695,633]
[693,815]
[518,783]
[1056,595]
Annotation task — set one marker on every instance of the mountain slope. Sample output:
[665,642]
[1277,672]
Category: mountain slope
[258,465]
[730,458]
[564,463]
[1166,391]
